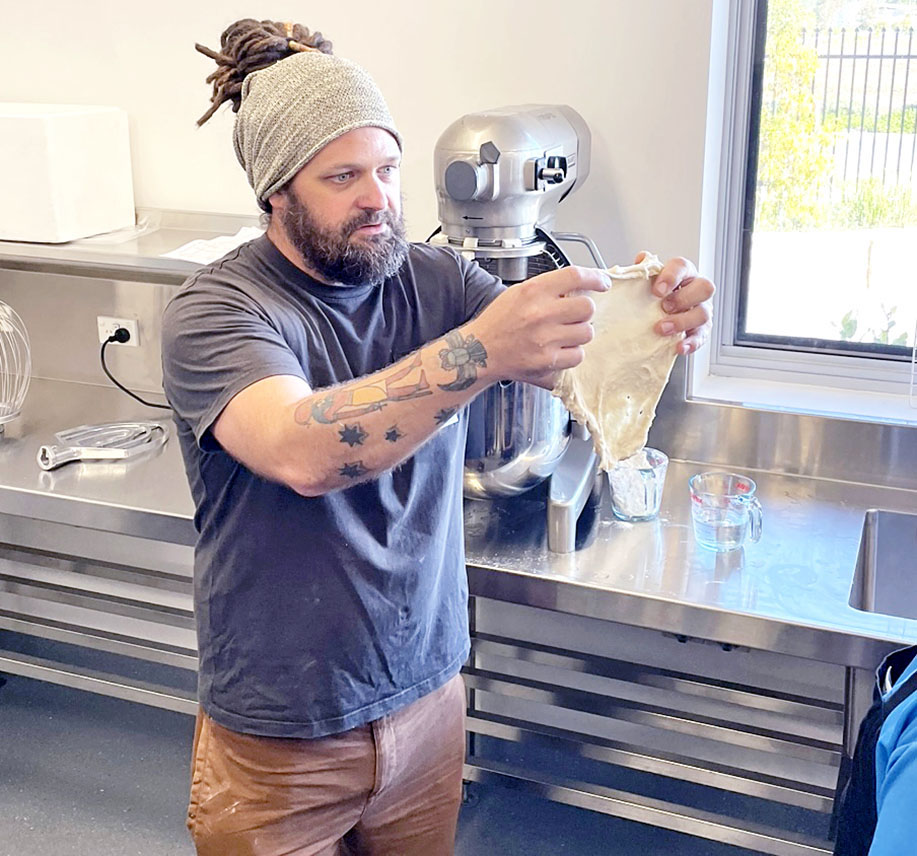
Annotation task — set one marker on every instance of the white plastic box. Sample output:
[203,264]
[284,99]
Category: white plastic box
[65,172]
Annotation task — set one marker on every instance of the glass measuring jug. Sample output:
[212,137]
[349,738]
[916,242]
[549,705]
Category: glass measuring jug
[725,510]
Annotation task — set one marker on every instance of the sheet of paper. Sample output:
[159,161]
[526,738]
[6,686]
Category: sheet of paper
[206,251]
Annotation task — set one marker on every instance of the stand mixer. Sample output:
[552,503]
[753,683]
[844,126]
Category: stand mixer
[500,175]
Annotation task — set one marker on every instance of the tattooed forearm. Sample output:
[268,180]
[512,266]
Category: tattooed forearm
[463,356]
[353,470]
[405,381]
[393,435]
[352,435]
[369,425]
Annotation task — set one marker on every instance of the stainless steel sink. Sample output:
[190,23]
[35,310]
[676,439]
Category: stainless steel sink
[886,571]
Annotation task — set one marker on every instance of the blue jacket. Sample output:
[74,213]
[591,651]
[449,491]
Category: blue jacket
[876,806]
[896,774]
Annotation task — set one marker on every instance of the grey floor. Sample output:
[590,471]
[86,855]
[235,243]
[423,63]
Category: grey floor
[85,775]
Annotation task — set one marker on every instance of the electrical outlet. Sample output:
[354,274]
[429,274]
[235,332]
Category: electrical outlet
[108,325]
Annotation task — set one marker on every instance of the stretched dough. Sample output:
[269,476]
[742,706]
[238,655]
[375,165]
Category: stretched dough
[615,390]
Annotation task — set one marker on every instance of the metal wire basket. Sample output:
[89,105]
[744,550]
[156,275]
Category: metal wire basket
[15,364]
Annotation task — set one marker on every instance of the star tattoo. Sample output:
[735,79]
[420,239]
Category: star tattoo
[353,470]
[393,435]
[353,435]
[444,415]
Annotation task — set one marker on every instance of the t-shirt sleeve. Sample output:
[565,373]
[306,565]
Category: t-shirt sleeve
[480,287]
[215,342]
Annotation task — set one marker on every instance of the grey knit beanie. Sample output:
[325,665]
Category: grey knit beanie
[293,108]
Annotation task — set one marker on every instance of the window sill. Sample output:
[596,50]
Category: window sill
[790,397]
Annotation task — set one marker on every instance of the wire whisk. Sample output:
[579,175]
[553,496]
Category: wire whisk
[15,364]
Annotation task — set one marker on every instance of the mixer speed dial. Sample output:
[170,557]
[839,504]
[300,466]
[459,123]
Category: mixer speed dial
[464,180]
[470,178]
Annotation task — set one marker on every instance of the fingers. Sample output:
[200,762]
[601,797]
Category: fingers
[564,352]
[682,322]
[574,335]
[691,293]
[686,300]
[567,358]
[575,309]
[673,275]
[566,336]
[574,278]
[694,339]
[546,381]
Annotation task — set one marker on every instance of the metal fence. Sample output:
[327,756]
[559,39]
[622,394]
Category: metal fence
[865,90]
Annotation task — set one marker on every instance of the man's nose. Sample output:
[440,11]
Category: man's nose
[372,193]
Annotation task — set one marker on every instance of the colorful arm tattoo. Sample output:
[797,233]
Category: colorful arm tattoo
[463,356]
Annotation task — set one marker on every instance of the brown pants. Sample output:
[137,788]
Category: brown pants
[389,788]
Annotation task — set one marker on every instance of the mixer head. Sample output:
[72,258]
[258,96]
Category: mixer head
[500,175]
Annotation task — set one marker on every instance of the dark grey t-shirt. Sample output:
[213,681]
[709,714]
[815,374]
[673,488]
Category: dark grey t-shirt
[318,614]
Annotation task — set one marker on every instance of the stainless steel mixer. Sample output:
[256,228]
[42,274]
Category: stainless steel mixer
[500,175]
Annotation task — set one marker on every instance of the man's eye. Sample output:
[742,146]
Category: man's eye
[389,170]
[340,178]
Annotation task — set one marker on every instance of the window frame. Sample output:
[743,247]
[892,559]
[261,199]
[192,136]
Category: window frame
[735,372]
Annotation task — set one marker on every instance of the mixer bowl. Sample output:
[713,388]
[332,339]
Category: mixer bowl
[517,434]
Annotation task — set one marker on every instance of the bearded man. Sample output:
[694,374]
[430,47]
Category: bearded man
[318,376]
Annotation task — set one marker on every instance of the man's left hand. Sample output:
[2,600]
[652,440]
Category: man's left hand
[686,298]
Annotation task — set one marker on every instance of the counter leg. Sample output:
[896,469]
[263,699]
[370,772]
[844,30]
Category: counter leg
[472,628]
[858,692]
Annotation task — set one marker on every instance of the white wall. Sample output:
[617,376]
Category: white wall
[637,72]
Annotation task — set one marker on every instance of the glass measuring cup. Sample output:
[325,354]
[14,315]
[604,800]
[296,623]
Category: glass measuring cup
[725,510]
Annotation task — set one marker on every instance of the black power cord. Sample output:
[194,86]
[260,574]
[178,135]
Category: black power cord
[121,335]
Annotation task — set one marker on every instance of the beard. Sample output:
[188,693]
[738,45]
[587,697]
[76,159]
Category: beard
[337,259]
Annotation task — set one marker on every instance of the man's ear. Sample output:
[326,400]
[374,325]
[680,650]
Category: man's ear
[278,201]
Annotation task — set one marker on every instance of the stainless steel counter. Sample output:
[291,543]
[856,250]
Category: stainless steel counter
[128,254]
[98,555]
[789,592]
[146,497]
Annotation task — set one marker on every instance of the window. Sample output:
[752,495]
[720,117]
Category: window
[818,212]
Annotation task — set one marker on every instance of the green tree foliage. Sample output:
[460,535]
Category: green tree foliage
[794,146]
[900,121]
[872,205]
[796,142]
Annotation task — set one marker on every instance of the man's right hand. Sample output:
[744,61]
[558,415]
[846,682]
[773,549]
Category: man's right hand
[537,328]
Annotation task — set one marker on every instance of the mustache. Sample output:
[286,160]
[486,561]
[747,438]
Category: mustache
[368,218]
